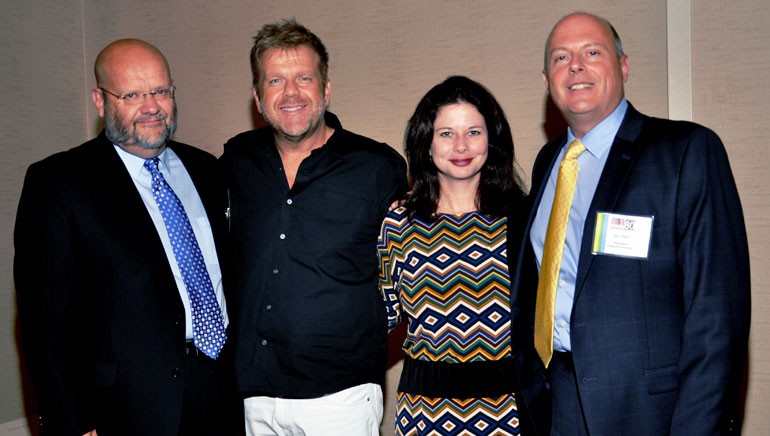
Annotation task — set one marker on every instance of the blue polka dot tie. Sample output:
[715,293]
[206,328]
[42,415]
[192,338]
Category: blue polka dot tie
[208,325]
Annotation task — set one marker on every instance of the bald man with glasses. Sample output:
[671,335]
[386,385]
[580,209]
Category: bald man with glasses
[117,269]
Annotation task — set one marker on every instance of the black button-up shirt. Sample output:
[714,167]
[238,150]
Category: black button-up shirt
[309,319]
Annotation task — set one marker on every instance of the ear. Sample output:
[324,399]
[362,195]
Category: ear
[327,92]
[97,96]
[545,79]
[256,99]
[624,67]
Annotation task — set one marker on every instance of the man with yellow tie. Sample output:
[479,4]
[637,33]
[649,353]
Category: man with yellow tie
[641,315]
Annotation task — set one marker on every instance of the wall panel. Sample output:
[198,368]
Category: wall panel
[384,56]
[730,67]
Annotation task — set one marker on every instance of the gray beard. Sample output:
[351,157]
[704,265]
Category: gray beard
[116,131]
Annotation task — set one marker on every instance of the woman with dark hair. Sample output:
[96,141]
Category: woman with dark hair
[444,267]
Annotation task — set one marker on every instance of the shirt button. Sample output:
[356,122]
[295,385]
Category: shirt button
[264,341]
[282,236]
[289,201]
[562,283]
[269,307]
[176,372]
[275,270]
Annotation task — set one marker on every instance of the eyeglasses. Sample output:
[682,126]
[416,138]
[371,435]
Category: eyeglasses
[133,98]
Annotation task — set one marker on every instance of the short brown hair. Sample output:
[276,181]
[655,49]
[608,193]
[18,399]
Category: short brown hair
[287,34]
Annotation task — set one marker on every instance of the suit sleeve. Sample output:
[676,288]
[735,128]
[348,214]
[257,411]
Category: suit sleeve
[714,259]
[45,279]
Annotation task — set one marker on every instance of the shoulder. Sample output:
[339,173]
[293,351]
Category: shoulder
[546,155]
[397,218]
[188,152]
[248,139]
[398,214]
[395,224]
[70,161]
[354,146]
[552,147]
[640,127]
[674,129]
[680,140]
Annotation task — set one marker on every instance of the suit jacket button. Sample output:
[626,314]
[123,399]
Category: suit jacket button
[176,372]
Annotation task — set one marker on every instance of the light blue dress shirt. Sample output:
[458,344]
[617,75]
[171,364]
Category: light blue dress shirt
[177,177]
[598,142]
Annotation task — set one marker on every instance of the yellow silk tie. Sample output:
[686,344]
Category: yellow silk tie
[553,249]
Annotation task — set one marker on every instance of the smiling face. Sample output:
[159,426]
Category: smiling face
[142,129]
[460,144]
[293,97]
[584,73]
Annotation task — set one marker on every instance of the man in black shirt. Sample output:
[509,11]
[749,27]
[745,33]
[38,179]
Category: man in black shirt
[306,202]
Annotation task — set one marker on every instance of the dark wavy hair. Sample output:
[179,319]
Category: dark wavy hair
[499,185]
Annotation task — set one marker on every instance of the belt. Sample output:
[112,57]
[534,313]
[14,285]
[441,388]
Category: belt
[191,351]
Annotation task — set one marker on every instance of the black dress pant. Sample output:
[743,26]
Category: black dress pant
[210,405]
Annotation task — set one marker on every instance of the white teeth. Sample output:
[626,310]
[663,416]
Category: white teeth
[292,109]
[580,86]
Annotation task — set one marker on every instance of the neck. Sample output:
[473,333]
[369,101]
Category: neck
[144,153]
[305,144]
[458,197]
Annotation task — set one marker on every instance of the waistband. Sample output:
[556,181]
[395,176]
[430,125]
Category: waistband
[191,351]
[459,380]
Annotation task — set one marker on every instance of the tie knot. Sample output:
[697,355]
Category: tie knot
[152,165]
[575,149]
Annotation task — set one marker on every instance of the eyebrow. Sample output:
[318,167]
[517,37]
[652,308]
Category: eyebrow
[584,46]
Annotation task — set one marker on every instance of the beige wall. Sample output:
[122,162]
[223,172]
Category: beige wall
[384,57]
[730,68]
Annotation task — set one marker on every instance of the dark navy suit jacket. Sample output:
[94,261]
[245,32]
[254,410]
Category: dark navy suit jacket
[659,344]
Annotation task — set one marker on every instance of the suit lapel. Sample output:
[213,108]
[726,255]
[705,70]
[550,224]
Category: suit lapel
[623,154]
[114,185]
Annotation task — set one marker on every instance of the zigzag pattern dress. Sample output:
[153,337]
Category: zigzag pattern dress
[449,278]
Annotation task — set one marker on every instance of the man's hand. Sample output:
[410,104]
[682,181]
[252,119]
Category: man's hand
[400,202]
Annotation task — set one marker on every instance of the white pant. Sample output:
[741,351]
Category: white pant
[353,411]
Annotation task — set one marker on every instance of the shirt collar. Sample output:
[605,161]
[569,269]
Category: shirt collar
[598,140]
[135,164]
[266,137]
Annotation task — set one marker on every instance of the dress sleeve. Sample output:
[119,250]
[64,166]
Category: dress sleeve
[389,254]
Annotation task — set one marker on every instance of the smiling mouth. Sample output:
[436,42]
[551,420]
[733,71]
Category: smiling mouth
[294,108]
[580,86]
[150,123]
[461,162]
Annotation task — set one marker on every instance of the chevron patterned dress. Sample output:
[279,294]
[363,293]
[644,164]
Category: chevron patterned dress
[449,279]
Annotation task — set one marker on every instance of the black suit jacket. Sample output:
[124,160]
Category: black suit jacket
[659,344]
[102,321]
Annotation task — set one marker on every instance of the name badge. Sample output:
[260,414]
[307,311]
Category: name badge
[622,235]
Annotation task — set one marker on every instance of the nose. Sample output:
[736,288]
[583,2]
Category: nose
[149,104]
[291,88]
[461,145]
[576,64]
